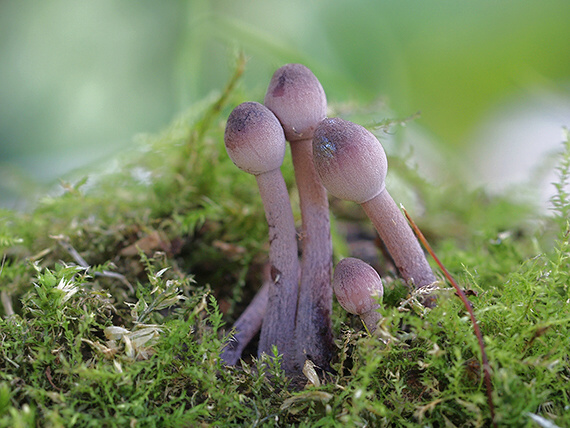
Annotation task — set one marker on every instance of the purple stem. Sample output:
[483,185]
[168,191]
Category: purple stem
[246,326]
[399,239]
[314,327]
[278,326]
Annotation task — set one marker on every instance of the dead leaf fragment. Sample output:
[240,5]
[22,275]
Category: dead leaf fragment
[148,244]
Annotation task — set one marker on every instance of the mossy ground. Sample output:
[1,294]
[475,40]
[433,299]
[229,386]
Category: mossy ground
[185,231]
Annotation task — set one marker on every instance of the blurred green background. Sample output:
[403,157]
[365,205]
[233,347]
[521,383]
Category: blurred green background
[78,80]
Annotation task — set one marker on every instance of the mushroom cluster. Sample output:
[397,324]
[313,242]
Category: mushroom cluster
[293,308]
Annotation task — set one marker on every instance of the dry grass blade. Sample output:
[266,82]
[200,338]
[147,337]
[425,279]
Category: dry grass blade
[463,297]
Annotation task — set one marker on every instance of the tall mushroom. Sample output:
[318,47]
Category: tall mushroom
[256,144]
[357,287]
[298,100]
[352,165]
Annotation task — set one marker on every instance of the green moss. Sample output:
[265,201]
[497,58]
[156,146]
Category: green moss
[175,233]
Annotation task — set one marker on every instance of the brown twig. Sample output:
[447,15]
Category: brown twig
[466,303]
[50,379]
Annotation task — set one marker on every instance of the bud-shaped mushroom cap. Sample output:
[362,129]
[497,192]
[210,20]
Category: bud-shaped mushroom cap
[298,100]
[349,159]
[254,138]
[357,286]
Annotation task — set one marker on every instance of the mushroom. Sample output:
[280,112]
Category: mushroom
[352,165]
[298,100]
[358,287]
[256,144]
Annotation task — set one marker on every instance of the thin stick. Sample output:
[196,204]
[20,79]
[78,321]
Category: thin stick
[463,297]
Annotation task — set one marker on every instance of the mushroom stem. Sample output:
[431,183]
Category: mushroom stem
[246,326]
[399,239]
[279,323]
[370,319]
[313,330]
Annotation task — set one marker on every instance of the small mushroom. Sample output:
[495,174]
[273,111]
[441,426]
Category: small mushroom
[358,287]
[298,100]
[352,165]
[256,144]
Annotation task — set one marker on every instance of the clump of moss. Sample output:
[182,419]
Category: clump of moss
[115,294]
